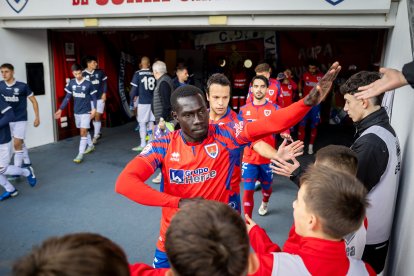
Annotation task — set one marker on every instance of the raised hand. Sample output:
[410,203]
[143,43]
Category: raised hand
[321,90]
[286,152]
[282,167]
[391,79]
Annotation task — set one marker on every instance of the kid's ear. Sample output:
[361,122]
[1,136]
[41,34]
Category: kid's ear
[174,115]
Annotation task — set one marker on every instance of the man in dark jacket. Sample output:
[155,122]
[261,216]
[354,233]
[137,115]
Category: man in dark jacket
[379,162]
[161,105]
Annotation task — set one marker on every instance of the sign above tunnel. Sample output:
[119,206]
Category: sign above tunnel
[25,9]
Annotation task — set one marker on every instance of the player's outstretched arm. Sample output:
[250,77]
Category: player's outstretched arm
[131,183]
[284,151]
[259,240]
[321,90]
[391,79]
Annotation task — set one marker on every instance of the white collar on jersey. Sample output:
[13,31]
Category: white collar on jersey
[79,82]
[10,85]
[90,73]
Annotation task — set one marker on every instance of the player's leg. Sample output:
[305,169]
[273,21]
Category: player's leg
[315,118]
[18,132]
[266,179]
[249,176]
[85,124]
[160,259]
[97,124]
[302,128]
[83,138]
[144,114]
[10,190]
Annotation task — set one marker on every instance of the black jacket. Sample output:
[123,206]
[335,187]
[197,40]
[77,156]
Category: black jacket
[408,72]
[161,104]
[371,150]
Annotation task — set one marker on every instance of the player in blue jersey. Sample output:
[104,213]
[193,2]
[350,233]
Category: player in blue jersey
[7,116]
[143,85]
[83,92]
[15,94]
[98,78]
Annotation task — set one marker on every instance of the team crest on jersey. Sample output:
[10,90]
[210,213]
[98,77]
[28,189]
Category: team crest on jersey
[271,92]
[83,87]
[267,112]
[96,75]
[318,78]
[87,77]
[73,87]
[17,5]
[248,113]
[16,91]
[334,2]
[212,150]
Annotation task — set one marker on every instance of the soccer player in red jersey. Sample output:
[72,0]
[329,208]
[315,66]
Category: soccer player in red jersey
[218,96]
[273,90]
[308,81]
[288,87]
[199,159]
[256,167]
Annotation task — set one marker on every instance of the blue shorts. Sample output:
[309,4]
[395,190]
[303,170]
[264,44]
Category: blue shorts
[314,116]
[160,260]
[252,172]
[234,202]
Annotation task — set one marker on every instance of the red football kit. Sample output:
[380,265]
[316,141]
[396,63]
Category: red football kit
[231,117]
[272,93]
[202,169]
[313,257]
[287,91]
[145,270]
[309,81]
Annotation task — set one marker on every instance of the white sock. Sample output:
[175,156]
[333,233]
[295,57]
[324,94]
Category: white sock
[151,125]
[82,144]
[14,170]
[142,133]
[6,184]
[18,158]
[26,158]
[89,139]
[97,127]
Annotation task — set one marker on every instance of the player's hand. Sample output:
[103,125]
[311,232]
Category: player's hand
[286,152]
[249,223]
[36,122]
[321,90]
[93,112]
[286,135]
[58,114]
[103,98]
[391,79]
[284,168]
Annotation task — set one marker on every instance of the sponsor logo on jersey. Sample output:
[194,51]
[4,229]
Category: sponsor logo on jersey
[16,91]
[267,112]
[175,156]
[334,2]
[271,92]
[311,83]
[196,176]
[17,5]
[79,95]
[13,98]
[212,150]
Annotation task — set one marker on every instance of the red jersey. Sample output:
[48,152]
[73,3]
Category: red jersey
[202,169]
[287,91]
[313,257]
[272,93]
[146,270]
[309,81]
[228,118]
[251,113]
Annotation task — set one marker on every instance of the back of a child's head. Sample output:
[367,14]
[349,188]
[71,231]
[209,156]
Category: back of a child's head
[337,198]
[207,238]
[338,157]
[74,255]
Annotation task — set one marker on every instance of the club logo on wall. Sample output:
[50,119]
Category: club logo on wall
[17,5]
[334,2]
